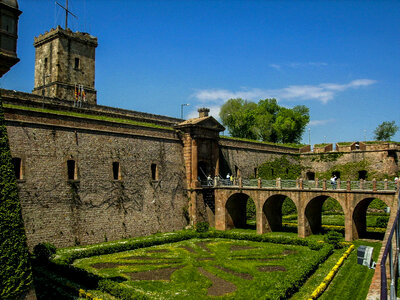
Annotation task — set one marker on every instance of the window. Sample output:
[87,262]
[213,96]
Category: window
[362,175]
[17,167]
[77,63]
[116,170]
[255,172]
[45,63]
[8,24]
[72,172]
[154,172]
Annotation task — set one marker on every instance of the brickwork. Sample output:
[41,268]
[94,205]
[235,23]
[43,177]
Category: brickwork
[95,207]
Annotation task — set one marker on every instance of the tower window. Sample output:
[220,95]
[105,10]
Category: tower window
[17,167]
[116,170]
[255,172]
[154,172]
[77,63]
[72,171]
[45,63]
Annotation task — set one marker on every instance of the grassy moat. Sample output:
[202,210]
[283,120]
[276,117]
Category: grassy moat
[236,264]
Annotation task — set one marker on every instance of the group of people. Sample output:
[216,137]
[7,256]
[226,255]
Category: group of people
[229,179]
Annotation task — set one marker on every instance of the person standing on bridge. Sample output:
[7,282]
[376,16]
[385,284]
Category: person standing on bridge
[333,182]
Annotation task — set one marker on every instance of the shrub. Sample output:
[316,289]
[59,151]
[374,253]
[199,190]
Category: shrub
[250,209]
[44,251]
[288,207]
[381,222]
[333,238]
[15,271]
[202,227]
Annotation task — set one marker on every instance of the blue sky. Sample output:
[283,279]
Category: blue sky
[339,58]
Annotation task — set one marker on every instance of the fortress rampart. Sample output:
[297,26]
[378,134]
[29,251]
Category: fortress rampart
[95,173]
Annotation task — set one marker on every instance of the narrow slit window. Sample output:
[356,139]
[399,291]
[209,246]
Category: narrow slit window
[255,172]
[72,174]
[116,171]
[77,63]
[17,167]
[154,172]
[45,63]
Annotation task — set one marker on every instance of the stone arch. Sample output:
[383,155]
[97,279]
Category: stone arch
[235,208]
[313,213]
[272,212]
[359,218]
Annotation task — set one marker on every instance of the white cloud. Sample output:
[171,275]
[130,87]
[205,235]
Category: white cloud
[321,122]
[323,92]
[295,65]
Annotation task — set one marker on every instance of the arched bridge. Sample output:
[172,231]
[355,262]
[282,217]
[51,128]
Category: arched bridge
[354,198]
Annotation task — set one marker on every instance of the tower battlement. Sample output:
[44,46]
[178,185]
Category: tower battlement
[65,65]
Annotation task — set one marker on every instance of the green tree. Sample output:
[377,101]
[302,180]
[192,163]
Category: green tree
[239,116]
[385,131]
[265,121]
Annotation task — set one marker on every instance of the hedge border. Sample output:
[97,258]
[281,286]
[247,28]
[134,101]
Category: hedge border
[65,257]
[328,278]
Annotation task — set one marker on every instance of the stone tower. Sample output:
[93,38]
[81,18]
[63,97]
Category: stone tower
[64,61]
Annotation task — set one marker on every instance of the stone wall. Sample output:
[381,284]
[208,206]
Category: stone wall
[95,207]
[379,162]
[244,157]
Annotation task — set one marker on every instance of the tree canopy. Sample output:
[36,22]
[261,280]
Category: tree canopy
[265,120]
[385,131]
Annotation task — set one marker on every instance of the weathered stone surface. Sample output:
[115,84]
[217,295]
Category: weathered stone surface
[65,59]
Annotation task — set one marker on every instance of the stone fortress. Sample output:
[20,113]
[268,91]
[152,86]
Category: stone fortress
[88,173]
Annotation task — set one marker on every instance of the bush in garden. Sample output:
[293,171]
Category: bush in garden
[334,238]
[44,251]
[250,209]
[202,227]
[381,222]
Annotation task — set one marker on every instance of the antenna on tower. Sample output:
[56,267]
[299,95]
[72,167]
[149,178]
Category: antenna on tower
[66,12]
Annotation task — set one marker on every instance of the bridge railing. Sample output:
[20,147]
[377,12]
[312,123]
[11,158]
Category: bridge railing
[305,184]
[392,250]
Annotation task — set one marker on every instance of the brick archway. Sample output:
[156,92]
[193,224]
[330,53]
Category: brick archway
[359,217]
[271,211]
[313,213]
[235,208]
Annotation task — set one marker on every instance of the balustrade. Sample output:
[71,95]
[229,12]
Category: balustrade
[303,184]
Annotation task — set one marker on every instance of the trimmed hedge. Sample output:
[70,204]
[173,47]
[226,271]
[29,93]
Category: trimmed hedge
[117,288]
[61,264]
[15,271]
[67,256]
